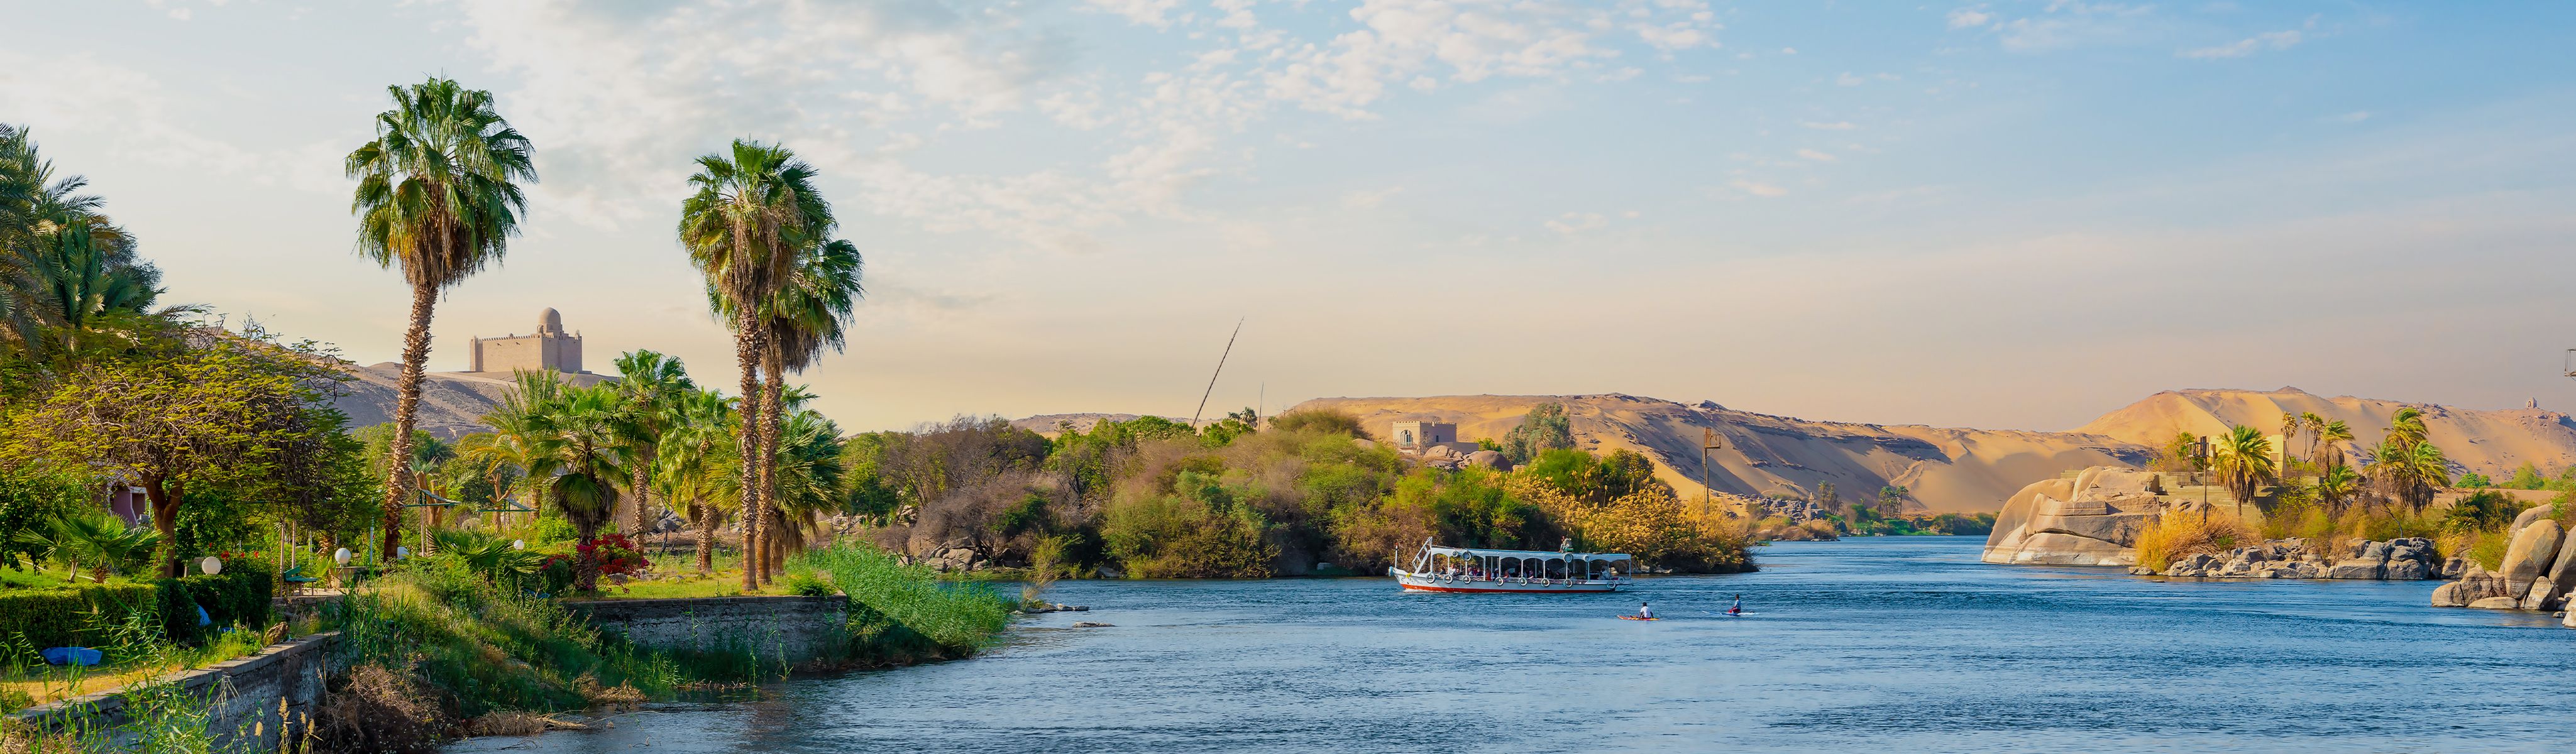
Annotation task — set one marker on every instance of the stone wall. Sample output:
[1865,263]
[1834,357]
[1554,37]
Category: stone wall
[248,691]
[794,631]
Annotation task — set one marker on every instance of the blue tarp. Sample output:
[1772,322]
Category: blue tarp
[71,655]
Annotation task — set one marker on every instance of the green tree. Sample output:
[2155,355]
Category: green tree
[753,210]
[1324,420]
[1546,427]
[2527,477]
[698,465]
[2336,487]
[221,413]
[2475,480]
[653,385]
[97,538]
[582,440]
[438,196]
[805,317]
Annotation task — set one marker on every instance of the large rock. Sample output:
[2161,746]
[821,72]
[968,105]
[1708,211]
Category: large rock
[2475,584]
[2448,595]
[2496,603]
[2356,569]
[1489,459]
[2528,517]
[2092,519]
[2561,577]
[2406,570]
[2540,591]
[2528,558]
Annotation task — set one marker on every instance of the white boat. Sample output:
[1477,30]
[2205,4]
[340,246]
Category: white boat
[1475,570]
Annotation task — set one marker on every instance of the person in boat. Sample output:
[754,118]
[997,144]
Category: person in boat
[1645,611]
[1738,609]
[1565,546]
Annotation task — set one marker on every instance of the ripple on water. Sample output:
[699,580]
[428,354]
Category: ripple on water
[1878,644]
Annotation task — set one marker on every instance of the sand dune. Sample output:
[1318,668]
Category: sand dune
[1949,470]
[2491,442]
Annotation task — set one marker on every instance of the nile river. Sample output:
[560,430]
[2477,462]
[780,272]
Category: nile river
[1888,644]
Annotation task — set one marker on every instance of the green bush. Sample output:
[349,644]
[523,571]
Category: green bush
[236,597]
[77,616]
[29,502]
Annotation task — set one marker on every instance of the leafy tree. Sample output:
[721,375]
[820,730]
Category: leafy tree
[754,210]
[581,442]
[2526,477]
[2336,487]
[1599,480]
[438,196]
[2484,510]
[2475,480]
[1891,499]
[1545,428]
[222,412]
[697,464]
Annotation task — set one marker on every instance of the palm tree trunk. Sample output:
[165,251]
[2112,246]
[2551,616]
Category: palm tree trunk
[585,569]
[706,535]
[746,344]
[643,499]
[424,297]
[773,390]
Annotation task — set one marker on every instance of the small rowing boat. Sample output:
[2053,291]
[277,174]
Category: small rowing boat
[1632,617]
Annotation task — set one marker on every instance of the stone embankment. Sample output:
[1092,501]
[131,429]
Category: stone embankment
[2404,559]
[2538,570]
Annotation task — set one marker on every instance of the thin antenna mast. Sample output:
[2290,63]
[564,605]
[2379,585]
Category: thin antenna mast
[1220,369]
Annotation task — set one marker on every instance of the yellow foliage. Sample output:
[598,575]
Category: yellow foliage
[2180,534]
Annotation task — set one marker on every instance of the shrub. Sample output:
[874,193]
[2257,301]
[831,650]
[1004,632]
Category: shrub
[1199,532]
[78,616]
[2178,534]
[806,584]
[2482,510]
[235,597]
[1320,421]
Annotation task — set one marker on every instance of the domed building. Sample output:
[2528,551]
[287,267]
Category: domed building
[549,348]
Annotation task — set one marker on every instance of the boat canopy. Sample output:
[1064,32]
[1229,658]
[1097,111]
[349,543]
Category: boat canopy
[1471,552]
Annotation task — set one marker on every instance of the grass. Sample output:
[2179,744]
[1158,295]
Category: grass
[12,578]
[2181,534]
[903,613]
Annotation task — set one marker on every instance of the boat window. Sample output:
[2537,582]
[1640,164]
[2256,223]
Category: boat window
[1556,568]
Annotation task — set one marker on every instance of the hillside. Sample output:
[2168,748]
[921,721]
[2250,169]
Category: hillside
[2491,442]
[1949,470]
[451,403]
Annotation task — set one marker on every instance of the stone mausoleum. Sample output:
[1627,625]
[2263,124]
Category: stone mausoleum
[550,347]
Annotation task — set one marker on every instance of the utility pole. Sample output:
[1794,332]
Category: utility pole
[1707,494]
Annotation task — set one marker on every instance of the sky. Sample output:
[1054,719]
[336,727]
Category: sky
[1999,214]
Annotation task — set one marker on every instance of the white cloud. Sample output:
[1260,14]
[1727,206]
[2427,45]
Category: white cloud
[1848,79]
[2274,40]
[1966,17]
[1815,155]
[1369,198]
[1576,222]
[1758,188]
[1146,12]
[2069,23]
[1840,125]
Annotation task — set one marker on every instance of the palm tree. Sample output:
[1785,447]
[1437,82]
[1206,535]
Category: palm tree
[582,439]
[95,537]
[2316,426]
[2291,425]
[809,479]
[2325,447]
[753,211]
[2336,487]
[62,264]
[698,464]
[438,196]
[2407,426]
[2245,462]
[809,313]
[518,431]
[652,384]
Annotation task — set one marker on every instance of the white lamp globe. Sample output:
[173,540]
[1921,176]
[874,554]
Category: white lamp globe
[211,565]
[340,556]
[518,544]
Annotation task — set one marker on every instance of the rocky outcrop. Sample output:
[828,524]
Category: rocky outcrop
[2537,573]
[2296,558]
[2529,556]
[2092,519]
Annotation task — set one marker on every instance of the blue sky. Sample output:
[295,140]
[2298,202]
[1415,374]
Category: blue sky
[1995,214]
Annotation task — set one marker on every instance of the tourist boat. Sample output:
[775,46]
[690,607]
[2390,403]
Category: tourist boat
[1468,569]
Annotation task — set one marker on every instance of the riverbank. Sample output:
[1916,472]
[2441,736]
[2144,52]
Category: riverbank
[1905,643]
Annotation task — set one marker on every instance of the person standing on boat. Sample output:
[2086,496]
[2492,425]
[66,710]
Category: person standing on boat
[1645,611]
[1566,546]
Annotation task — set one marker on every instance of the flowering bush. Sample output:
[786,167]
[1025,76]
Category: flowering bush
[613,554]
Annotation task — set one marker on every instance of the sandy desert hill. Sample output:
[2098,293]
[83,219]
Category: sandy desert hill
[451,403]
[1948,470]
[2490,442]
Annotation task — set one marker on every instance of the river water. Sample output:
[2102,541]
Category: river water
[1882,644]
